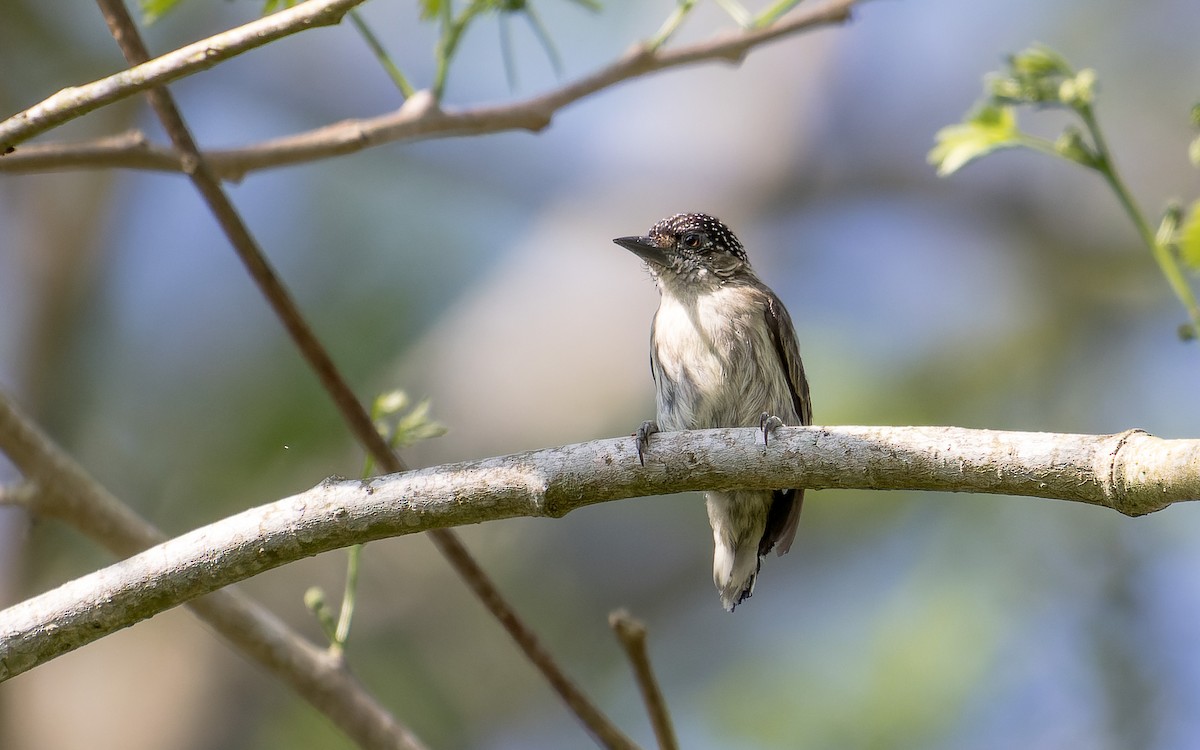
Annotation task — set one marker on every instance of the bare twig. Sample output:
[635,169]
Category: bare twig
[356,416]
[61,489]
[125,32]
[24,494]
[76,101]
[1132,472]
[603,730]
[420,117]
[631,632]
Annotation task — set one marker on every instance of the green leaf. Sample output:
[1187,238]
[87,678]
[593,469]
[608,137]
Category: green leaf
[430,9]
[987,129]
[1039,60]
[1040,76]
[270,6]
[1194,146]
[417,426]
[1078,90]
[1169,225]
[388,403]
[152,10]
[543,36]
[740,15]
[314,600]
[1189,238]
[402,430]
[774,13]
[1072,146]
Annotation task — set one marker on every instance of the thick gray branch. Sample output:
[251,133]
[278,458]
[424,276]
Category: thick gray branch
[419,118]
[77,101]
[1132,472]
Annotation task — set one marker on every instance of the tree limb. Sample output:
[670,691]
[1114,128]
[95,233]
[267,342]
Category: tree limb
[77,101]
[420,118]
[1131,472]
[56,486]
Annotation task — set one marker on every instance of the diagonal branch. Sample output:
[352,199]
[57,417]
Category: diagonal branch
[58,487]
[77,101]
[631,632]
[420,117]
[357,419]
[1131,472]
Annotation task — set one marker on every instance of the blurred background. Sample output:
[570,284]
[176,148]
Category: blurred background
[480,273]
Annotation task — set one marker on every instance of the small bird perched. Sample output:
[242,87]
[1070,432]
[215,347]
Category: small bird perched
[723,353]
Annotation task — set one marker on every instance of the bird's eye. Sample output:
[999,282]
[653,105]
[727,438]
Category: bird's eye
[691,240]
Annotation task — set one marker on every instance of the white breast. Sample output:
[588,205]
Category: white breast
[714,362]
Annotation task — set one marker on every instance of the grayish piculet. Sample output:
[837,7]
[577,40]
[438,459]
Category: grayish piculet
[723,353]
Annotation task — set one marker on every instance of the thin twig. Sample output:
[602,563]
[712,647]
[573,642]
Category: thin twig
[341,633]
[125,32]
[381,54]
[671,25]
[420,118]
[631,633]
[1166,258]
[356,416]
[64,490]
[76,101]
[604,731]
[23,494]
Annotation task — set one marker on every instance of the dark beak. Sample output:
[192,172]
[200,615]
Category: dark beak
[644,248]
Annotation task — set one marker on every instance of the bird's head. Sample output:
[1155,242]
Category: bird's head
[690,251]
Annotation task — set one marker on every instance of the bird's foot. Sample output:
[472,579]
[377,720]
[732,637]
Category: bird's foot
[768,423]
[643,434]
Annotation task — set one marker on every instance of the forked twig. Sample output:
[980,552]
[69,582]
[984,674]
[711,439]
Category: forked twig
[632,635]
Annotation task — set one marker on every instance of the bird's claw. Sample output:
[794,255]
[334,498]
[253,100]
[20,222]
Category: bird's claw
[768,423]
[643,434]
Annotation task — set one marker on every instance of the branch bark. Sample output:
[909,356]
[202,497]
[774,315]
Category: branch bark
[420,118]
[1131,472]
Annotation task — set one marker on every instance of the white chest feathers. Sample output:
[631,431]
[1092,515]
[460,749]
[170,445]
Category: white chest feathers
[714,361]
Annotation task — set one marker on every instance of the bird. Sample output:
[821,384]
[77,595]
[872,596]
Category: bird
[723,353]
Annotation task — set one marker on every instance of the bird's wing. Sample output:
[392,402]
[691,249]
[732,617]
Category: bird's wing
[784,515]
[653,374]
[783,336]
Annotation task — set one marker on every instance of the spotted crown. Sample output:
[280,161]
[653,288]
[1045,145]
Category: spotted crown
[672,230]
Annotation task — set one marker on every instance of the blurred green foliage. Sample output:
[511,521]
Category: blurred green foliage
[1041,77]
[1008,298]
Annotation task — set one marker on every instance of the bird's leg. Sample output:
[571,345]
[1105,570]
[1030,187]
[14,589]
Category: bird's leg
[768,423]
[643,434]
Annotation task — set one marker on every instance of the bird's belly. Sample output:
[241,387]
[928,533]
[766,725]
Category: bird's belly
[691,387]
[717,377]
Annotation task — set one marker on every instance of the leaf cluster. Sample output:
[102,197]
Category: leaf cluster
[1037,77]
[1041,78]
